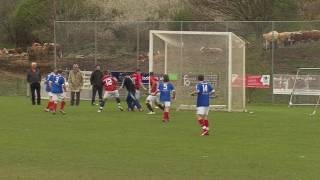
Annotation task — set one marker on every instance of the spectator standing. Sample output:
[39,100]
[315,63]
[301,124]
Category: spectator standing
[96,83]
[34,79]
[75,81]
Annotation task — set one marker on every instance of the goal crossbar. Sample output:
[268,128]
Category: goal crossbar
[308,68]
[196,33]
[189,32]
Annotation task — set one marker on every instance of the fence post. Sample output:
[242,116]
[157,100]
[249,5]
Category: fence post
[272,63]
[55,45]
[95,43]
[138,45]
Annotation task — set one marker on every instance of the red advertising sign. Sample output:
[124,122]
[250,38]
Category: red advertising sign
[258,81]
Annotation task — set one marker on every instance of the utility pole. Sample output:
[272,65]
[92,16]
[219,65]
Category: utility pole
[54,9]
[54,32]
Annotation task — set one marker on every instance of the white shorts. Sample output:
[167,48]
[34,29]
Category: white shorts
[153,99]
[58,97]
[203,110]
[166,103]
[138,94]
[111,94]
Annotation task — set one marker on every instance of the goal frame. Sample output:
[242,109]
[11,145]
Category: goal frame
[229,39]
[294,85]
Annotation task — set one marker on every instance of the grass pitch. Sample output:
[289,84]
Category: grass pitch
[275,142]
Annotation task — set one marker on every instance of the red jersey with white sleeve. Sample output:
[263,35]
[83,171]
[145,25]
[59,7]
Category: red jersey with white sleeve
[109,83]
[153,80]
[137,77]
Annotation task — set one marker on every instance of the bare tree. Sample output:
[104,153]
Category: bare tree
[237,10]
[5,28]
[240,10]
[310,9]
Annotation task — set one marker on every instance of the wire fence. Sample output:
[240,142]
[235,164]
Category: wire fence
[273,47]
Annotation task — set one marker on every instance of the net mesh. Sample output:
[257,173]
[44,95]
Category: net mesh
[238,74]
[305,87]
[184,56]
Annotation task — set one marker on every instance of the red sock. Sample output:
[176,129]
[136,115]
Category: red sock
[206,123]
[200,121]
[166,116]
[54,107]
[49,106]
[62,105]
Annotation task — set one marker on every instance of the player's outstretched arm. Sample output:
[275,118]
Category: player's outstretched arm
[122,84]
[173,94]
[193,93]
[64,88]
[143,87]
[213,94]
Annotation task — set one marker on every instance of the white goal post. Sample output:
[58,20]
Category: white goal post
[306,87]
[219,56]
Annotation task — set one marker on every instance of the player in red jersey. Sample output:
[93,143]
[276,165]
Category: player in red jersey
[153,98]
[137,77]
[110,86]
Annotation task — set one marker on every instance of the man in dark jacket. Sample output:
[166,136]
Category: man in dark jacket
[96,82]
[34,79]
[132,101]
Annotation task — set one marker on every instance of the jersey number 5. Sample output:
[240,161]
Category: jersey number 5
[165,87]
[56,80]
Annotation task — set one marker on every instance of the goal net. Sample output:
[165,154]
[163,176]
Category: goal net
[306,87]
[219,56]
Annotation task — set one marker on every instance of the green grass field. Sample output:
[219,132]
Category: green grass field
[275,142]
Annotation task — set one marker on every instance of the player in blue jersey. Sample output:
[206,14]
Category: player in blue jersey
[203,91]
[48,90]
[165,89]
[58,90]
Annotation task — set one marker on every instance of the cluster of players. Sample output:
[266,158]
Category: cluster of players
[161,93]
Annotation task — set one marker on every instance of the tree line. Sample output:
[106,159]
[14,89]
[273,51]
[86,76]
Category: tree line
[25,21]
